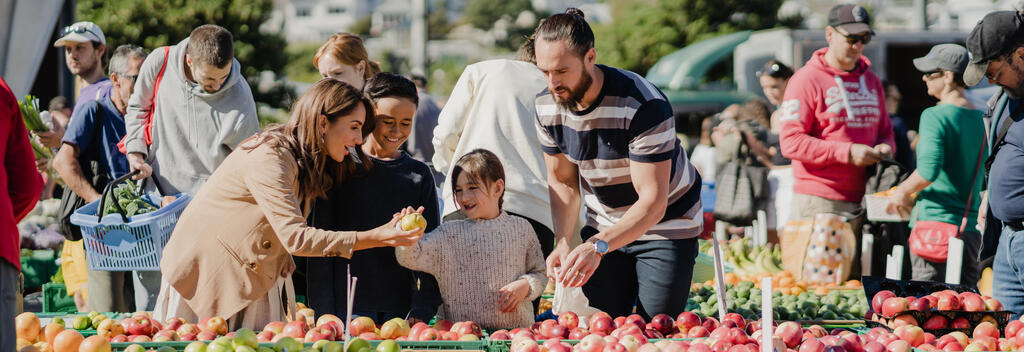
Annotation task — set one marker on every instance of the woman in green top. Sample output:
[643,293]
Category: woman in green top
[951,140]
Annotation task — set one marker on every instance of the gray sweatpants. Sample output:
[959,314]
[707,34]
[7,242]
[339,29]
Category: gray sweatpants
[9,294]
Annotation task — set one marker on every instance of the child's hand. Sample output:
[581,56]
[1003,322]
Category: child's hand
[512,295]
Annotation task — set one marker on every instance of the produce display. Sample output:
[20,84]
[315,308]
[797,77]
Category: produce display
[746,259]
[34,123]
[745,299]
[39,229]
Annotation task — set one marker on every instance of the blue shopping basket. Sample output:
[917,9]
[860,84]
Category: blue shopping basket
[117,242]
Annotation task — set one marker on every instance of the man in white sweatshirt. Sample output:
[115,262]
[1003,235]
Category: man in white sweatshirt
[202,109]
[492,107]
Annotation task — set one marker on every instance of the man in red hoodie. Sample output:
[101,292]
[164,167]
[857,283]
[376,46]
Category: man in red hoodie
[18,175]
[834,119]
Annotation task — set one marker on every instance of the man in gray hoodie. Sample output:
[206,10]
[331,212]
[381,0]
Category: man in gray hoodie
[202,109]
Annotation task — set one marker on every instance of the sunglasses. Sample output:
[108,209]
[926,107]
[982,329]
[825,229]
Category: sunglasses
[772,70]
[76,29]
[855,38]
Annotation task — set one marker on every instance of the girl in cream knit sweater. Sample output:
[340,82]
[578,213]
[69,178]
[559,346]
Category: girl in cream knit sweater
[489,267]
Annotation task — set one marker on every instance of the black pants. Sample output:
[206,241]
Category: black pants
[654,275]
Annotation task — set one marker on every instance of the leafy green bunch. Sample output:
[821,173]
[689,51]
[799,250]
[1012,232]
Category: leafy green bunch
[129,196]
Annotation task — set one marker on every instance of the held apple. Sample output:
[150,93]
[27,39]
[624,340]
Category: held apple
[413,221]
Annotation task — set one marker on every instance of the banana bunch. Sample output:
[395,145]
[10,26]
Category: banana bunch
[748,260]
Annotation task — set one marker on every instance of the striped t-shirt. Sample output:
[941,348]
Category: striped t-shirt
[631,121]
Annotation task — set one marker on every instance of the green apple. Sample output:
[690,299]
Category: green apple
[357,344]
[244,337]
[264,349]
[220,345]
[388,346]
[196,346]
[59,320]
[135,348]
[413,221]
[81,322]
[166,349]
[287,344]
[332,346]
[319,345]
[244,348]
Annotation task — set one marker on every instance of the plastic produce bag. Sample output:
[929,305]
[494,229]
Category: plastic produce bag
[572,299]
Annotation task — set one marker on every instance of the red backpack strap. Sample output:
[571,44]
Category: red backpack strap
[147,125]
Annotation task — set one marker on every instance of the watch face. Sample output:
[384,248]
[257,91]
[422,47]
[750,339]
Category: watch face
[602,246]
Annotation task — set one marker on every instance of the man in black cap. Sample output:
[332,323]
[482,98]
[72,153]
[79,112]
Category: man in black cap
[834,122]
[996,47]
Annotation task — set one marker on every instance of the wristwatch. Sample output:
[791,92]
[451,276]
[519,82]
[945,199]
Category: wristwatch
[601,247]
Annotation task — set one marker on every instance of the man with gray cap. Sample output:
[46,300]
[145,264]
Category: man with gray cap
[996,47]
[949,156]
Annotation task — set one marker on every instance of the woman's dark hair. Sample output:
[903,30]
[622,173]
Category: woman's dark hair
[482,167]
[569,26]
[302,135]
[776,69]
[384,85]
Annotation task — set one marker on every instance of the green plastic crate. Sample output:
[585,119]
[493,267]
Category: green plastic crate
[56,299]
[39,267]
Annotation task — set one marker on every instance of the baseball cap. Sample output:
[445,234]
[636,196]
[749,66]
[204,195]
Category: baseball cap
[81,32]
[851,18]
[945,57]
[994,35]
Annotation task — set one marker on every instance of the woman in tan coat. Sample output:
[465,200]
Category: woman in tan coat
[233,243]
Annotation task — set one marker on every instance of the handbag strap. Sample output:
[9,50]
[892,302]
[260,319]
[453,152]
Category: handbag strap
[970,189]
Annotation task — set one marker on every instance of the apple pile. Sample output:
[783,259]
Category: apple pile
[894,311]
[686,325]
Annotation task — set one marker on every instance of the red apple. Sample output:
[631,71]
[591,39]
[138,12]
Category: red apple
[140,338]
[615,347]
[874,346]
[710,323]
[522,345]
[591,343]
[319,333]
[948,302]
[569,320]
[295,329]
[960,323]
[879,298]
[790,333]
[894,306]
[468,328]
[275,326]
[443,325]
[449,336]
[119,338]
[361,325]
[265,336]
[578,334]
[210,335]
[903,320]
[174,323]
[637,320]
[921,305]
[986,329]
[428,334]
[368,336]
[687,320]
[993,304]
[898,346]
[414,331]
[697,332]
[912,334]
[936,322]
[973,303]
[812,345]
[663,323]
[559,331]
[602,325]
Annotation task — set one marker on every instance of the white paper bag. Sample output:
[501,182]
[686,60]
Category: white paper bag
[572,299]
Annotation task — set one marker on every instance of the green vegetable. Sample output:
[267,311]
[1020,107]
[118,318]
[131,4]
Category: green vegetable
[129,197]
[30,113]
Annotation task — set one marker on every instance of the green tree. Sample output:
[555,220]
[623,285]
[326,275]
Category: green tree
[362,26]
[640,34]
[483,13]
[152,24]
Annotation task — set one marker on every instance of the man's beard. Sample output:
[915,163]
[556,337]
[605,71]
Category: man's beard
[576,93]
[1018,92]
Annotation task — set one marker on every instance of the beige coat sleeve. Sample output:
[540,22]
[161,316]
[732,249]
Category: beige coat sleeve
[273,185]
